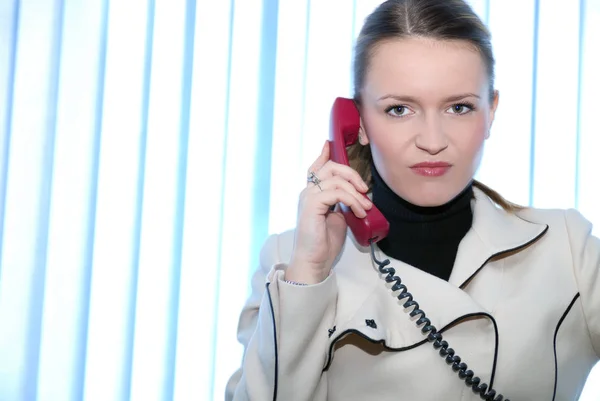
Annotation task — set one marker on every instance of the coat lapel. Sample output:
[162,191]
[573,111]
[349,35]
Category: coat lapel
[494,232]
[366,296]
[366,306]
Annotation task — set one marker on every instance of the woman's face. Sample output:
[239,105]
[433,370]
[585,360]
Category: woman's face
[426,111]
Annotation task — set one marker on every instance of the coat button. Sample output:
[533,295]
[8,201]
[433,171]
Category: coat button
[371,323]
[331,331]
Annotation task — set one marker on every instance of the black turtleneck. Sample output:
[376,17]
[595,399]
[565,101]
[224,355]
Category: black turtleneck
[423,237]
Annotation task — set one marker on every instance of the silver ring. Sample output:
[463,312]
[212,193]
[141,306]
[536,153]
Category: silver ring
[312,177]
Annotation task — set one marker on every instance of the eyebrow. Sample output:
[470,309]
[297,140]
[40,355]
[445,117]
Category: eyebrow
[411,99]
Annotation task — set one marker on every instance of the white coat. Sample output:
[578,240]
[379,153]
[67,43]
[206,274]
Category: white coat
[521,308]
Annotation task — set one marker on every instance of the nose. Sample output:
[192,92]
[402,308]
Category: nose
[431,137]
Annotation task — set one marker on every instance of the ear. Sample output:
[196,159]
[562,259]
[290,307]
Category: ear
[363,139]
[493,107]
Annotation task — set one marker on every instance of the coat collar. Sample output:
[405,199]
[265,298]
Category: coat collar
[494,232]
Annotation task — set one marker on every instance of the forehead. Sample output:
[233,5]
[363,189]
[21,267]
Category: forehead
[425,68]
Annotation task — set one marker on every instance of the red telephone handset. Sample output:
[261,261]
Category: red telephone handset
[344,126]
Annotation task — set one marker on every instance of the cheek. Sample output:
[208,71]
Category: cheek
[470,148]
[388,136]
[471,137]
[390,145]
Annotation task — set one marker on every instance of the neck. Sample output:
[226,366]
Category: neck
[424,237]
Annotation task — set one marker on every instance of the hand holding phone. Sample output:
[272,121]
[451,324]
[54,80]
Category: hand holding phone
[320,232]
[345,125]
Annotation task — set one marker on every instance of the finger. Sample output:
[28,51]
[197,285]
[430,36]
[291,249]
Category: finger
[347,199]
[324,200]
[321,160]
[333,169]
[338,182]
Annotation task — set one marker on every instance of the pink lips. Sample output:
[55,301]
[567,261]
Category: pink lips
[431,169]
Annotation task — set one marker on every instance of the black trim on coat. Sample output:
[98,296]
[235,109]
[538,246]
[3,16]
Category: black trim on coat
[415,345]
[495,351]
[275,344]
[517,248]
[562,318]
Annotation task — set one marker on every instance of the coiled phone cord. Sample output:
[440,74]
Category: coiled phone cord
[433,336]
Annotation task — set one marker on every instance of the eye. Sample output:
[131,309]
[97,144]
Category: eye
[397,111]
[461,108]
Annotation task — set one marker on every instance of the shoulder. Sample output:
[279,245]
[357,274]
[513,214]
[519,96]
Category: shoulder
[567,218]
[568,224]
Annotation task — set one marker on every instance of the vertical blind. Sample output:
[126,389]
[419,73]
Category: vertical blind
[148,147]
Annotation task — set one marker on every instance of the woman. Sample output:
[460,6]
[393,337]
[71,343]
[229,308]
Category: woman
[514,291]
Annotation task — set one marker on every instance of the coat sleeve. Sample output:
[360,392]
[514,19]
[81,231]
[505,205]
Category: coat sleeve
[284,331]
[585,249]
